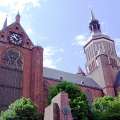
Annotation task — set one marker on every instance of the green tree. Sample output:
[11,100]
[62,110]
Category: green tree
[21,109]
[78,102]
[107,108]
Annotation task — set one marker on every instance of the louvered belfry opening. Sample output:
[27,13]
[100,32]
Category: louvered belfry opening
[11,72]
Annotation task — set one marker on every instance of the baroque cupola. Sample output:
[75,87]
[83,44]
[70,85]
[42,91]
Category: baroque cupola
[94,25]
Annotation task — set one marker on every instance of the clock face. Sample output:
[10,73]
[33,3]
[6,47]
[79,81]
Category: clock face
[15,38]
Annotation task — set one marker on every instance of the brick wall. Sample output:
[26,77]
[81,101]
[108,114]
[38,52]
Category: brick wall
[87,90]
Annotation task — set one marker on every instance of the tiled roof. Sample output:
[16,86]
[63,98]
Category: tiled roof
[75,78]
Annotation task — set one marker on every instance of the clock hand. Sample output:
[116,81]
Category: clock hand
[14,37]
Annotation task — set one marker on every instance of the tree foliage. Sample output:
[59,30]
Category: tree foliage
[21,109]
[107,108]
[78,101]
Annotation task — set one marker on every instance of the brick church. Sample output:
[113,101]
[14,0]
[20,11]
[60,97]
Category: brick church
[22,72]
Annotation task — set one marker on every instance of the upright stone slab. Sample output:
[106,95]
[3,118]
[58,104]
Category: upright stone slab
[59,109]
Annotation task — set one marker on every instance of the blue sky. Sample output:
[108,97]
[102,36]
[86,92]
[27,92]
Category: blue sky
[61,26]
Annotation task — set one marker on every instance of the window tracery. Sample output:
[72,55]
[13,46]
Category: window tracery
[12,58]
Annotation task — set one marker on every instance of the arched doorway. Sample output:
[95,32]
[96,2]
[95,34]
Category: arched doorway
[56,112]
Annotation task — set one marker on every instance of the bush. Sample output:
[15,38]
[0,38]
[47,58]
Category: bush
[107,108]
[21,109]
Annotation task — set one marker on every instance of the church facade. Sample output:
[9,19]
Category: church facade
[22,72]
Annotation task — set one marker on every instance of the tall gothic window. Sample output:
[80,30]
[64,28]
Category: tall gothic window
[10,77]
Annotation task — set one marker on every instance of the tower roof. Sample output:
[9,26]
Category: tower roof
[94,25]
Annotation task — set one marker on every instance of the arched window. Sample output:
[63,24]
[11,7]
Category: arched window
[12,58]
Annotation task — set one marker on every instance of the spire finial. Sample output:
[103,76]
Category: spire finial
[92,15]
[94,24]
[5,23]
[18,17]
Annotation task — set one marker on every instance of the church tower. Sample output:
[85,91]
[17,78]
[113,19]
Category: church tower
[102,62]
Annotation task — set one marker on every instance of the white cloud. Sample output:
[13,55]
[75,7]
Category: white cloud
[29,30]
[11,7]
[50,59]
[80,40]
[15,5]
